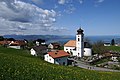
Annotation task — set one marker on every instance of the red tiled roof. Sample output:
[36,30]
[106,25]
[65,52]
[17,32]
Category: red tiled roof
[71,43]
[14,44]
[17,42]
[58,54]
[20,42]
[5,42]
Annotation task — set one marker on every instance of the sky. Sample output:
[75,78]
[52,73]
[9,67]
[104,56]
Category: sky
[59,17]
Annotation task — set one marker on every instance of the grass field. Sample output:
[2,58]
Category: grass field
[114,48]
[19,65]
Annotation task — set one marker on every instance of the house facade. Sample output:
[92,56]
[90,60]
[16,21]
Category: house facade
[59,57]
[53,45]
[38,50]
[18,44]
[77,47]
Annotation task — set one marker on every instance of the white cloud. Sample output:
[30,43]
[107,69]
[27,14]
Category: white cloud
[70,9]
[37,1]
[98,2]
[61,1]
[24,18]
[81,1]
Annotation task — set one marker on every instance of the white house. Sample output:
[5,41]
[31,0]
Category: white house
[54,45]
[18,44]
[77,47]
[57,57]
[107,44]
[50,46]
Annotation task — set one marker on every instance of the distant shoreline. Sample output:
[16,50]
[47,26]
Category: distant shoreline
[62,39]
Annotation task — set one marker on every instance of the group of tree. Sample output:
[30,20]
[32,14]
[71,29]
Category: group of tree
[39,40]
[112,42]
[99,48]
[9,39]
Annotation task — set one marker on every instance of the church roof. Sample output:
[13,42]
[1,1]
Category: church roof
[71,43]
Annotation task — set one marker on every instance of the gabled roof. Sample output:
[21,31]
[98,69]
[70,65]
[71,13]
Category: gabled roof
[39,48]
[17,43]
[20,42]
[55,44]
[4,42]
[14,44]
[71,43]
[58,54]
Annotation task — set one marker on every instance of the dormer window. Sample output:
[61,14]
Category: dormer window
[56,53]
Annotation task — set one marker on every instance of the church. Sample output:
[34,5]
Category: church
[78,47]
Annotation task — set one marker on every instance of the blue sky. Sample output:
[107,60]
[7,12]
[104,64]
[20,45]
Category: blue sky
[59,17]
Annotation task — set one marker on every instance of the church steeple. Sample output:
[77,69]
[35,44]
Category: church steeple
[80,43]
[80,31]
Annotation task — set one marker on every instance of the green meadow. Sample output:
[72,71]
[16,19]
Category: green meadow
[20,65]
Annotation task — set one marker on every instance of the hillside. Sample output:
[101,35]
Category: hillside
[18,64]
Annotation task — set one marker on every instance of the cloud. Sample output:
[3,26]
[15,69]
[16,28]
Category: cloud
[70,9]
[81,1]
[38,2]
[98,2]
[61,1]
[20,17]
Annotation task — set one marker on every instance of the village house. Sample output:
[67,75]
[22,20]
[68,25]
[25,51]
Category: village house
[78,47]
[107,44]
[39,50]
[17,44]
[57,57]
[14,45]
[5,42]
[54,45]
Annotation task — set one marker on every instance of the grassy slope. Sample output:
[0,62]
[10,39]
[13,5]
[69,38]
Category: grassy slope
[16,64]
[114,48]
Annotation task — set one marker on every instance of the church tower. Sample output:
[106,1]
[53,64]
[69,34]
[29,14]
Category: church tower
[79,43]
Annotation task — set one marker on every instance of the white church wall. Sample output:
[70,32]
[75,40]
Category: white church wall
[87,52]
[68,49]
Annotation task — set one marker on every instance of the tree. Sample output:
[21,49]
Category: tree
[1,38]
[11,39]
[99,48]
[39,40]
[112,42]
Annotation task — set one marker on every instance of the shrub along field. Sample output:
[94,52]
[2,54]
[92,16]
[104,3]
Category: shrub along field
[20,65]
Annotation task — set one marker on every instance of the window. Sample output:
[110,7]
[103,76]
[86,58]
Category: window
[66,49]
[50,59]
[56,59]
[63,63]
[78,39]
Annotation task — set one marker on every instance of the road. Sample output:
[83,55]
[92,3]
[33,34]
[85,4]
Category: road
[86,66]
